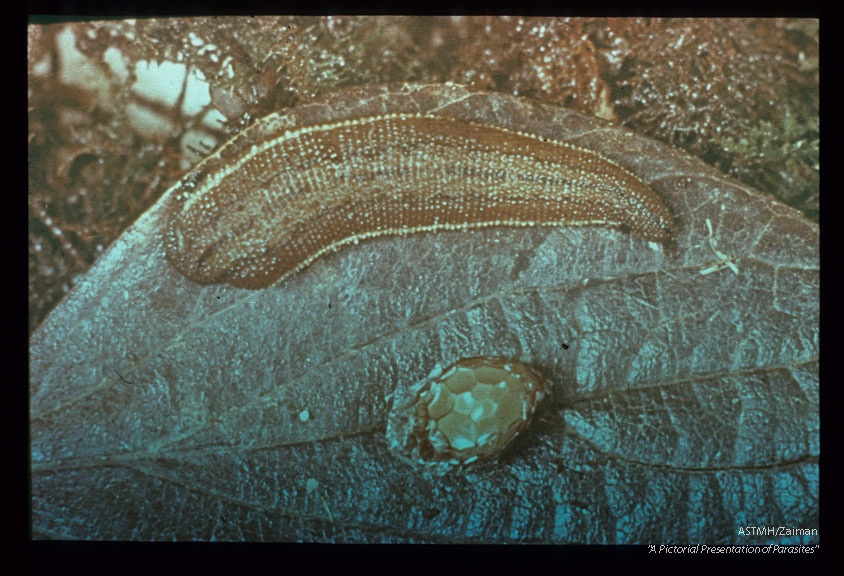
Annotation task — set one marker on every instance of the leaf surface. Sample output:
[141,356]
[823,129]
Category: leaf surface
[685,404]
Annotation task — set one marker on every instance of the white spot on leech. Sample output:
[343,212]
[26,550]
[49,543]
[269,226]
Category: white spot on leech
[304,415]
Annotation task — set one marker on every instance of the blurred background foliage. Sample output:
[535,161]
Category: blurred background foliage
[741,95]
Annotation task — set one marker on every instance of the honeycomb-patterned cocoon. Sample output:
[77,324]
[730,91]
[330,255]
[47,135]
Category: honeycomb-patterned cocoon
[466,414]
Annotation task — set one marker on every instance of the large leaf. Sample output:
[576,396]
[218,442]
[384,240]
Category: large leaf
[685,392]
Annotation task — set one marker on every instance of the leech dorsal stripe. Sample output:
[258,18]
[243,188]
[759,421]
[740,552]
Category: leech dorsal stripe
[276,205]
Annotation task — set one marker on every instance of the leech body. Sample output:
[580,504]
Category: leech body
[277,204]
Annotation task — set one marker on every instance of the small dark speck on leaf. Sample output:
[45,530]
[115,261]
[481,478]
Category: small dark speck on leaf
[430,513]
